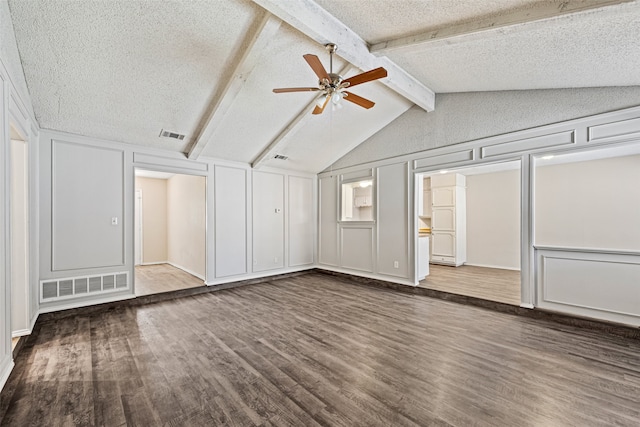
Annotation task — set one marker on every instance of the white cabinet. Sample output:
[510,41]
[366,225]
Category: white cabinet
[448,219]
[423,257]
[362,197]
[443,219]
[426,203]
[424,197]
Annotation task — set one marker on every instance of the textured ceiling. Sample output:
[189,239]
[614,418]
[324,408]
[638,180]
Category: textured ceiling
[123,70]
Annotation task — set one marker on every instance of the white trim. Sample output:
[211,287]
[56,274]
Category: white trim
[186,270]
[533,135]
[499,267]
[527,305]
[359,273]
[153,263]
[20,333]
[85,303]
[6,371]
[260,275]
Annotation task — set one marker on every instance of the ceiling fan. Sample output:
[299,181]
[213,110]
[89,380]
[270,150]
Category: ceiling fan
[332,86]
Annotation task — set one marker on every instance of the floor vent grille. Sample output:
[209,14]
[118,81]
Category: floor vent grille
[75,287]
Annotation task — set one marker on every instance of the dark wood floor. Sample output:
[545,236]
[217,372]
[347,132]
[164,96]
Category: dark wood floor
[491,284]
[317,350]
[158,278]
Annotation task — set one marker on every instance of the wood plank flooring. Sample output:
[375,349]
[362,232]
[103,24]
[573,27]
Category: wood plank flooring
[492,284]
[317,350]
[158,278]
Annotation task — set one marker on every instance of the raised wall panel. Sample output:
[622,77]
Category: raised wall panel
[361,174]
[444,159]
[268,221]
[518,146]
[87,199]
[301,221]
[393,245]
[601,285]
[230,194]
[624,129]
[328,248]
[357,248]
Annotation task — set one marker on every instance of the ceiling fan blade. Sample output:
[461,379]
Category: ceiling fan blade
[358,100]
[367,76]
[316,66]
[319,110]
[296,89]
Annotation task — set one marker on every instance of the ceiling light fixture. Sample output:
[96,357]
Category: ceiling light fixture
[332,86]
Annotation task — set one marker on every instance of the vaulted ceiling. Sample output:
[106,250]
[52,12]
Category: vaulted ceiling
[124,70]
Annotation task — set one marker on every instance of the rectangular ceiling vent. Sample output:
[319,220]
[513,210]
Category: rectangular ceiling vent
[280,157]
[169,134]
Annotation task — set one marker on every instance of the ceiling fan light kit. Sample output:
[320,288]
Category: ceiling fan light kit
[332,86]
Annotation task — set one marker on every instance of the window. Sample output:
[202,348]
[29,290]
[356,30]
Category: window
[357,201]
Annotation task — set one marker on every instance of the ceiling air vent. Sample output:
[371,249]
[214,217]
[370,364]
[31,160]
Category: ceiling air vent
[280,157]
[169,134]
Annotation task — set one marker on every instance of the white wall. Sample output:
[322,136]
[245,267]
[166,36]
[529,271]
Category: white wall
[230,221]
[493,219]
[461,117]
[186,223]
[15,95]
[154,219]
[302,216]
[20,319]
[268,221]
[589,204]
[87,214]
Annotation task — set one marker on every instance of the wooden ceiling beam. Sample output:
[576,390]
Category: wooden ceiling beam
[484,28]
[316,23]
[221,104]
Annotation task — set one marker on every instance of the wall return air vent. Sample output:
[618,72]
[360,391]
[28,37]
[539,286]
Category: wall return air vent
[169,134]
[280,157]
[75,287]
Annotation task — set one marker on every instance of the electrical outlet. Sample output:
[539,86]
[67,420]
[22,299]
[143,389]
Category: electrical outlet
[275,260]
[396,264]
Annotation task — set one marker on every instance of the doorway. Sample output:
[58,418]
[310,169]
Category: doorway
[469,219]
[169,231]
[19,223]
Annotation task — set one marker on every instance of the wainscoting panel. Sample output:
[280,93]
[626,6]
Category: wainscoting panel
[603,285]
[357,244]
[616,131]
[552,140]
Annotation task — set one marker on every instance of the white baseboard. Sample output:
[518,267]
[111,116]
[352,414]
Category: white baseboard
[86,303]
[20,333]
[406,282]
[241,277]
[5,371]
[186,270]
[154,263]
[500,267]
[527,305]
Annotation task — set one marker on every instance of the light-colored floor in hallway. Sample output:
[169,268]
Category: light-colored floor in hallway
[157,278]
[493,284]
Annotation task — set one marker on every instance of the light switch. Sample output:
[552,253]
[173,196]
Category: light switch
[114,220]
